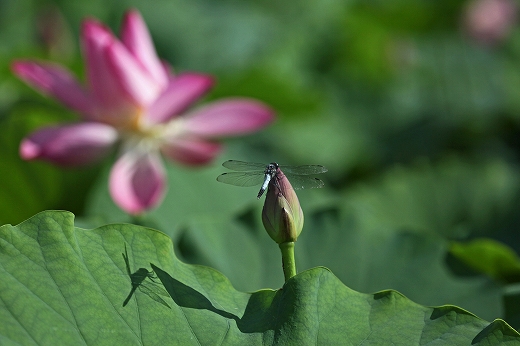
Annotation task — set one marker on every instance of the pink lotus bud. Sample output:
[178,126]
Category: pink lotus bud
[282,215]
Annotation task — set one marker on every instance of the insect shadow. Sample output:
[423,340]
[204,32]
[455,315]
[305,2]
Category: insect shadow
[145,281]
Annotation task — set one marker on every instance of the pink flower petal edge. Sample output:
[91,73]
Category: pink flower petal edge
[191,151]
[116,78]
[138,85]
[181,92]
[136,38]
[56,81]
[69,145]
[228,117]
[137,181]
[106,90]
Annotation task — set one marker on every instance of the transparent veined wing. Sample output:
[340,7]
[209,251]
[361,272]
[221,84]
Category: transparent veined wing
[154,291]
[252,174]
[244,179]
[303,170]
[299,182]
[244,166]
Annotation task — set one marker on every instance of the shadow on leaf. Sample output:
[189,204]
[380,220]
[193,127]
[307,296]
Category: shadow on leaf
[138,280]
[264,311]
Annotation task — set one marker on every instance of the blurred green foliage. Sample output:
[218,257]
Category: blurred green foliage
[418,124]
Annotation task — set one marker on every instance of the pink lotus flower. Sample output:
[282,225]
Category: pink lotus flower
[131,97]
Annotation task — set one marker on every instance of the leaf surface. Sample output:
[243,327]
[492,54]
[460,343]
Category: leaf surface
[68,284]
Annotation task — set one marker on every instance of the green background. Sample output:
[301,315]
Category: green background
[417,123]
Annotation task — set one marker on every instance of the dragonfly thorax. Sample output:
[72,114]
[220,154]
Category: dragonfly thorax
[269,173]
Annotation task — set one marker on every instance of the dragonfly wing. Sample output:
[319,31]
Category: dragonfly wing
[244,166]
[150,293]
[242,179]
[156,289]
[304,182]
[303,170]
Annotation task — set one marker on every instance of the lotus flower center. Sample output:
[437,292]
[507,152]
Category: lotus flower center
[149,136]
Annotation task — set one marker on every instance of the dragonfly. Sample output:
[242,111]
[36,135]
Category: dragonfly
[149,287]
[251,174]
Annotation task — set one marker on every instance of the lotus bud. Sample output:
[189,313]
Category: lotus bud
[282,215]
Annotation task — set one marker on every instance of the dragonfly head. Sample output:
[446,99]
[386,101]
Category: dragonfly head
[271,168]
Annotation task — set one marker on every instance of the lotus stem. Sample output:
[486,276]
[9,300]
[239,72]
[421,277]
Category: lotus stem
[288,262]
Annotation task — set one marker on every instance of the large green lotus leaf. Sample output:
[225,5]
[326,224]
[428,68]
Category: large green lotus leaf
[66,285]
[489,256]
[316,306]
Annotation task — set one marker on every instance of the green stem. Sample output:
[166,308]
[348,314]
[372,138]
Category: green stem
[288,262]
[138,219]
[144,220]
